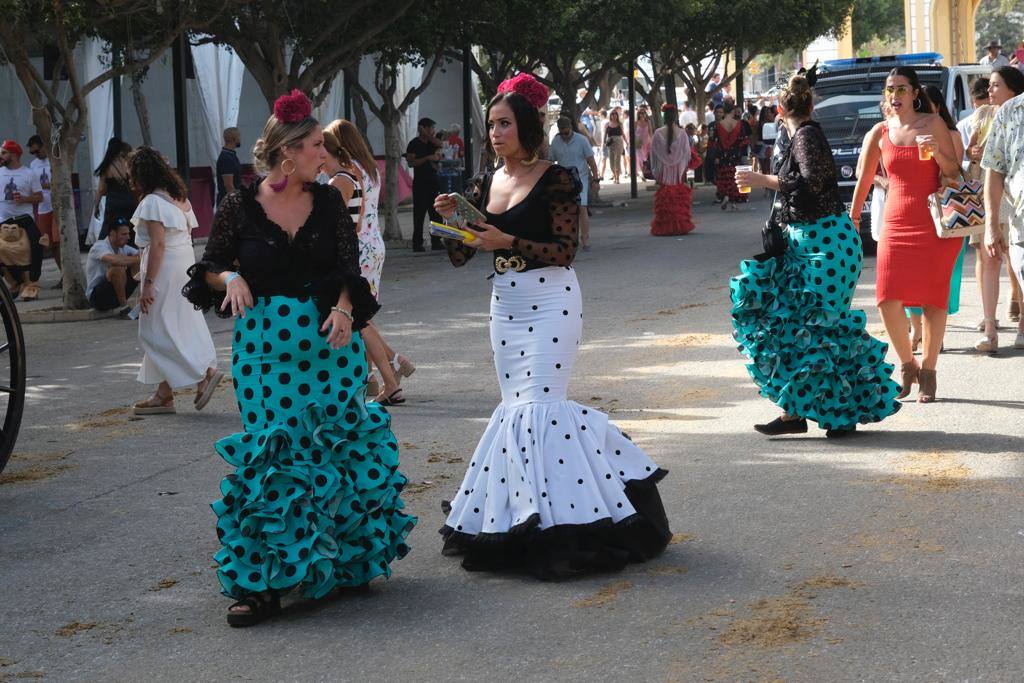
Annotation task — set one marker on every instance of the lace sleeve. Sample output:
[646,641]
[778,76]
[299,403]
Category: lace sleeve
[810,166]
[562,199]
[346,276]
[458,253]
[221,254]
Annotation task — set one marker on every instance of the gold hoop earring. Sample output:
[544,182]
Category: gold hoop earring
[288,173]
[531,160]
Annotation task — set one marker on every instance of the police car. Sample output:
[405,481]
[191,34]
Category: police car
[847,98]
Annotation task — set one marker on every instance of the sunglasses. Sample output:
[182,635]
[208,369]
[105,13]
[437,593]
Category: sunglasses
[898,90]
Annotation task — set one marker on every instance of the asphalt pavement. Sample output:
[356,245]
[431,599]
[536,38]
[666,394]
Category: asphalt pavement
[896,555]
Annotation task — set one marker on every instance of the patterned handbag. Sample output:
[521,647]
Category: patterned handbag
[958,208]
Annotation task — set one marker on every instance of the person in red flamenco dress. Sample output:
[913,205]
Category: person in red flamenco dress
[914,264]
[671,157]
[731,142]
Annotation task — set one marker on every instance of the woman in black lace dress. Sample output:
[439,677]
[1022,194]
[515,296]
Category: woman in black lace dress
[809,353]
[553,487]
[313,502]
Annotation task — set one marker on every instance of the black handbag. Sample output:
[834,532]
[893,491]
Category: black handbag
[773,235]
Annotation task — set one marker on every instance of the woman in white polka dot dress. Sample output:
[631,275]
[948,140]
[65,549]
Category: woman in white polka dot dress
[553,487]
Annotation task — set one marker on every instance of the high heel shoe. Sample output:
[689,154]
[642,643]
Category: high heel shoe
[989,344]
[373,386]
[916,344]
[928,381]
[909,372]
[402,365]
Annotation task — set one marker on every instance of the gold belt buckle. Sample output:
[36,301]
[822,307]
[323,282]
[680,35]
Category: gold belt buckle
[514,263]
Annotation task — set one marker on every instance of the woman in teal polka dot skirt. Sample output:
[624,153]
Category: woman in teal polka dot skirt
[314,500]
[809,352]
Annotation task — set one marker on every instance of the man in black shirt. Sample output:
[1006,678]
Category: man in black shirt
[229,169]
[423,155]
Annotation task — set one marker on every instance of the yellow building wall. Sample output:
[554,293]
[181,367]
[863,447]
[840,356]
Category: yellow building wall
[943,26]
[845,45]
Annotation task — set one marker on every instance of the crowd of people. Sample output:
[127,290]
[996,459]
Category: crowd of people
[553,488]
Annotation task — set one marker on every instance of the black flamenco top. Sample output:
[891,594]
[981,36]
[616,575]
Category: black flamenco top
[543,223]
[321,260]
[808,187]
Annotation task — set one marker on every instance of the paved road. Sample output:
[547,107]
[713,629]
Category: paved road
[898,555]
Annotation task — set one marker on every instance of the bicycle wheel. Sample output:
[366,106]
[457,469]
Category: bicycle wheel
[12,374]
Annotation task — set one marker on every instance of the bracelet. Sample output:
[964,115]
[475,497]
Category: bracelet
[339,309]
[231,276]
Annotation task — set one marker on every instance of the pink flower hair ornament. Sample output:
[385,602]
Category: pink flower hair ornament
[293,107]
[524,84]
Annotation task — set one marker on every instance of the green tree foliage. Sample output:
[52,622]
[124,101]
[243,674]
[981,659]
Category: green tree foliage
[303,44]
[877,19]
[1000,20]
[695,54]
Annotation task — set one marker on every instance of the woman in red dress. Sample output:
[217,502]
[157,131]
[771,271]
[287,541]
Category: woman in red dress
[914,264]
[732,137]
[671,158]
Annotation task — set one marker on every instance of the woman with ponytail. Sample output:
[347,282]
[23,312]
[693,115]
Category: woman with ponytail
[671,157]
[809,352]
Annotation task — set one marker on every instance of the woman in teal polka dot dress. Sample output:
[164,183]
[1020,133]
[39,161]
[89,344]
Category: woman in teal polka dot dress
[809,353]
[314,502]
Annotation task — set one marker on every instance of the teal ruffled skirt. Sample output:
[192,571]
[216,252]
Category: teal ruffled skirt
[954,286]
[314,501]
[809,353]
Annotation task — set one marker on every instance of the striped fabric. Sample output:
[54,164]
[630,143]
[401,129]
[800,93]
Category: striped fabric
[355,204]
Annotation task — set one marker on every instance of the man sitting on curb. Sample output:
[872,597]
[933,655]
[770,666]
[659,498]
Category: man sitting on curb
[110,271]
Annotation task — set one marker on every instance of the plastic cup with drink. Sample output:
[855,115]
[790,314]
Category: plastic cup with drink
[748,168]
[924,147]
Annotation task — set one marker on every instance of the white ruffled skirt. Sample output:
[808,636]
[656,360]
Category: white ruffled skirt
[553,487]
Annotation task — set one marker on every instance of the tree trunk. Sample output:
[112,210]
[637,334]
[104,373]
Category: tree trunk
[64,212]
[141,109]
[567,91]
[392,120]
[670,90]
[359,112]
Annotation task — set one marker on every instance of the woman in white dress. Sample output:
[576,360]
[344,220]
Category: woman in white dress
[178,348]
[353,172]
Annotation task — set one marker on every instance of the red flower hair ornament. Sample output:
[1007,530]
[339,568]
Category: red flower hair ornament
[293,107]
[667,107]
[535,92]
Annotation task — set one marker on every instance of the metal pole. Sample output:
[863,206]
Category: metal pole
[468,98]
[180,107]
[739,79]
[115,91]
[632,129]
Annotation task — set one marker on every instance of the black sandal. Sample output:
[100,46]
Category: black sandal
[395,398]
[261,606]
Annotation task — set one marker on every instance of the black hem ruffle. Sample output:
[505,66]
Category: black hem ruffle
[568,550]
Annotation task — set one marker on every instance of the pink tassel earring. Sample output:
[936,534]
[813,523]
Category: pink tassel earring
[279,186]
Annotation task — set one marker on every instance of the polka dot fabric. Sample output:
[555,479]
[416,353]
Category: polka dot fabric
[547,467]
[314,499]
[810,353]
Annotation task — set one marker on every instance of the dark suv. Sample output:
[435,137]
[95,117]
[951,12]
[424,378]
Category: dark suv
[847,98]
